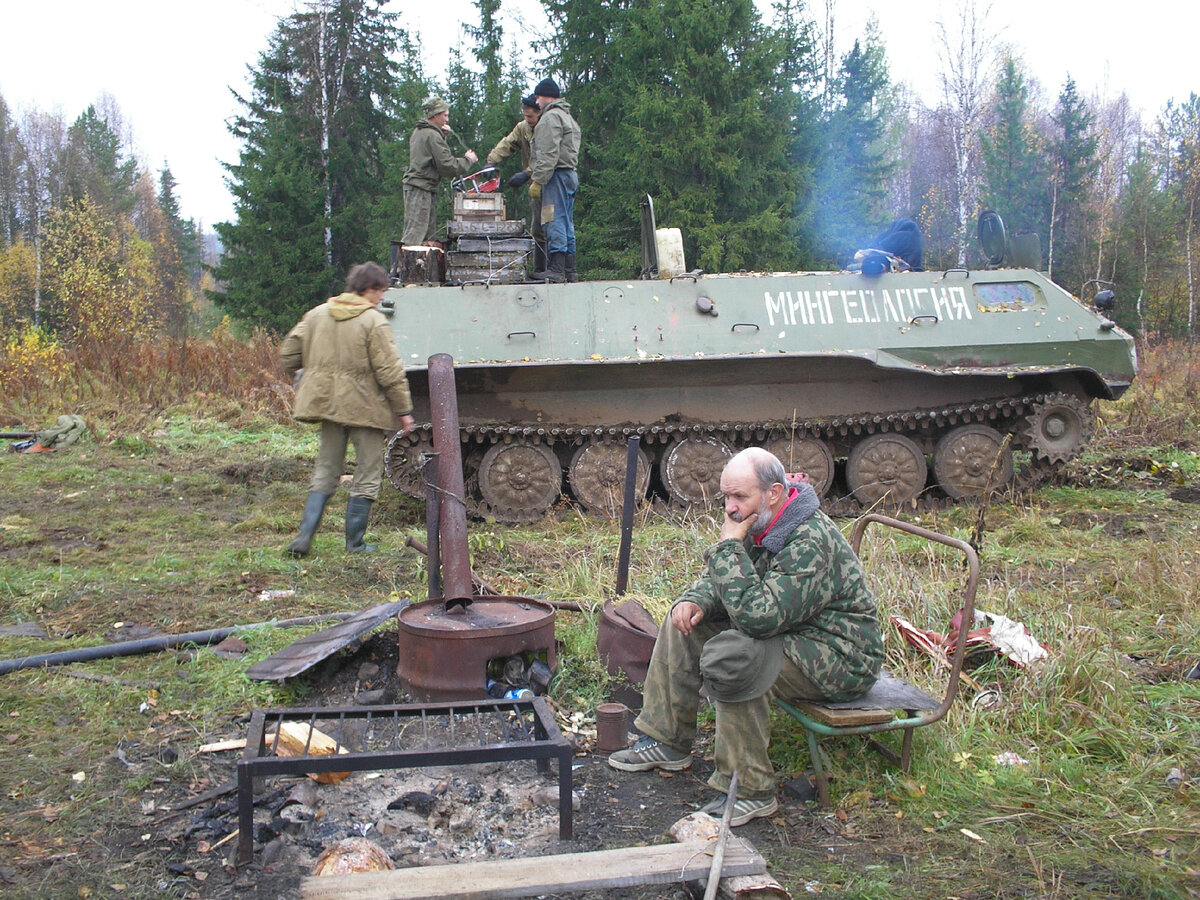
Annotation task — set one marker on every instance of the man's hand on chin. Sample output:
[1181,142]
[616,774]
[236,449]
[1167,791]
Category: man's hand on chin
[736,530]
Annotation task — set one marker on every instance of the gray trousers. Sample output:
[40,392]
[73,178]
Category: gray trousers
[331,458]
[671,699]
[420,223]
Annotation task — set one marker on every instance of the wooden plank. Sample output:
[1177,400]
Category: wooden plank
[890,692]
[879,704]
[221,746]
[699,826]
[844,717]
[502,878]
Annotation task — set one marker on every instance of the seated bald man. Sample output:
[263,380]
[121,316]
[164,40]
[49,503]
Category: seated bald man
[782,611]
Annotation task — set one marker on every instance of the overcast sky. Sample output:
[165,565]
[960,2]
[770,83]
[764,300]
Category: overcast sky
[170,65]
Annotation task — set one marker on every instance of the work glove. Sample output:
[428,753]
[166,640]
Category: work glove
[535,191]
[519,179]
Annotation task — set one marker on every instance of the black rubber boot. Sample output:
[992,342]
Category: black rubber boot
[555,269]
[569,270]
[358,511]
[314,507]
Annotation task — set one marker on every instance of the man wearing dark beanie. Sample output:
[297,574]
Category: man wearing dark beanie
[555,182]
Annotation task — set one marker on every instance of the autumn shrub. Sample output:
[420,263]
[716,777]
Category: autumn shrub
[1161,407]
[35,373]
[18,282]
[124,383]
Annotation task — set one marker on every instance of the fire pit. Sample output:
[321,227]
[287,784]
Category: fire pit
[397,737]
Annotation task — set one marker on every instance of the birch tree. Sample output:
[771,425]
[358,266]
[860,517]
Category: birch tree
[1183,122]
[42,185]
[966,53]
[10,165]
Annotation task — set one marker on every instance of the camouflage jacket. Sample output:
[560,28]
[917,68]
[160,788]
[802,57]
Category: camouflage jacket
[811,591]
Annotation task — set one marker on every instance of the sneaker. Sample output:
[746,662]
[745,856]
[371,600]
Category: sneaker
[648,754]
[744,808]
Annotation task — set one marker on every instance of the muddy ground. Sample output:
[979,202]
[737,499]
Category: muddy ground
[444,815]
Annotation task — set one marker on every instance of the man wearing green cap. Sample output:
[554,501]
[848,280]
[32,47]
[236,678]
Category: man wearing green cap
[429,161]
[783,610]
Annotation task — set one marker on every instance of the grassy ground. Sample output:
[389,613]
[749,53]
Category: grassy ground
[175,522]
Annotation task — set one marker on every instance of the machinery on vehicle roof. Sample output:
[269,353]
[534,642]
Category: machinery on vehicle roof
[905,388]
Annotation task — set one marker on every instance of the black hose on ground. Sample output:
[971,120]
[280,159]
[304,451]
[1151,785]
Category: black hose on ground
[149,645]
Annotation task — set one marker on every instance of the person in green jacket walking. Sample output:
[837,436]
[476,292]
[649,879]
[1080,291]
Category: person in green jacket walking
[353,383]
[429,161]
[783,611]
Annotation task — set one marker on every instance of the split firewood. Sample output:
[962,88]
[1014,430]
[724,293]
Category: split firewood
[703,827]
[221,746]
[298,739]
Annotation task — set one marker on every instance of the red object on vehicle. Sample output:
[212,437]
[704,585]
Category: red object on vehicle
[472,184]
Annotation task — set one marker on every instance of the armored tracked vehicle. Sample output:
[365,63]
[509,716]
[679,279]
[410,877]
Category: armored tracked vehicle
[902,389]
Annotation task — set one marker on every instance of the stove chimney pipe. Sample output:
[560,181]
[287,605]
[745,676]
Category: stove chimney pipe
[443,407]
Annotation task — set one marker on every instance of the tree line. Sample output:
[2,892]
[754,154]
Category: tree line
[93,249]
[769,147]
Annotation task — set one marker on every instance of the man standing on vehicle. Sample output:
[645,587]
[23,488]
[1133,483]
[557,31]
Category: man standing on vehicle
[520,140]
[783,611]
[555,182]
[429,161]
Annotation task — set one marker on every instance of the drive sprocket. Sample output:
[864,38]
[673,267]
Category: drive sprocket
[1058,426]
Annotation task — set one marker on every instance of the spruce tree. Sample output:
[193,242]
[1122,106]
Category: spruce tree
[688,101]
[1075,166]
[184,231]
[853,170]
[309,173]
[97,168]
[1015,170]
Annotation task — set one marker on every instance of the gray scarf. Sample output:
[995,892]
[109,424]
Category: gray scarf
[796,513]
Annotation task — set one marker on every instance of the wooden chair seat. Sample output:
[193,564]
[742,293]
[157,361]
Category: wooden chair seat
[888,697]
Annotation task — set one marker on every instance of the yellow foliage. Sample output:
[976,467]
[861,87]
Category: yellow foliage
[32,352]
[18,279]
[101,275]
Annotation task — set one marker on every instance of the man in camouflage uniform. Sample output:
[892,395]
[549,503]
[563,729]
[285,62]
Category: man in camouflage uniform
[784,593]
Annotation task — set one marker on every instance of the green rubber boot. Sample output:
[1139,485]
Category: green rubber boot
[314,508]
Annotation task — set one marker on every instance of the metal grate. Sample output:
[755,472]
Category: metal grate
[406,736]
